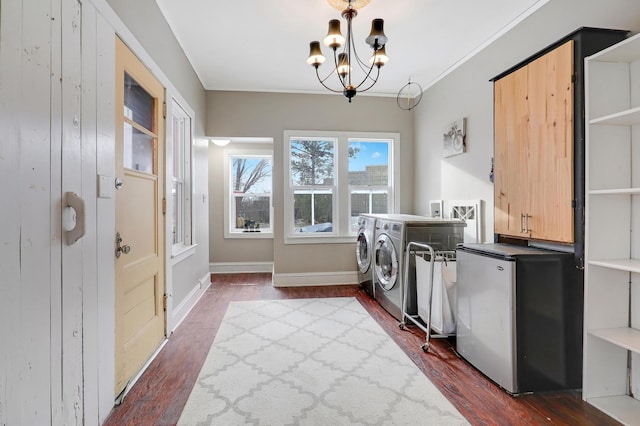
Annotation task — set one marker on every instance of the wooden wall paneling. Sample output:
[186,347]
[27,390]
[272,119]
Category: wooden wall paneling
[56,212]
[88,131]
[36,343]
[72,255]
[105,153]
[10,55]
[24,353]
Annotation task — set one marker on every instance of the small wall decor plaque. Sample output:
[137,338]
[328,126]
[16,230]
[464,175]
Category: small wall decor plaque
[453,140]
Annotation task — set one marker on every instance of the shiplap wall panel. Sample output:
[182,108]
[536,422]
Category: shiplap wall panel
[72,255]
[26,247]
[90,334]
[105,128]
[10,58]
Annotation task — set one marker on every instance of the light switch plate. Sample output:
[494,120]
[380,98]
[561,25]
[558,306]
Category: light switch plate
[105,186]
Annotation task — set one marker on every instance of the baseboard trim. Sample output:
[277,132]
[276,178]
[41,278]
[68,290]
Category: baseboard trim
[315,279]
[181,311]
[240,267]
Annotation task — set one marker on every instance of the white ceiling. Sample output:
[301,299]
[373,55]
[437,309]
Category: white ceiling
[262,45]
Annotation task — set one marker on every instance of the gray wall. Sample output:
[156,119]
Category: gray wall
[467,92]
[244,114]
[144,19]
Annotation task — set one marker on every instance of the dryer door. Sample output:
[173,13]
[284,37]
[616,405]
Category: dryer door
[363,251]
[386,268]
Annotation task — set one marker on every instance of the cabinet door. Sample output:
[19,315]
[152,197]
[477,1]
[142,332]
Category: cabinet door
[533,189]
[549,185]
[510,156]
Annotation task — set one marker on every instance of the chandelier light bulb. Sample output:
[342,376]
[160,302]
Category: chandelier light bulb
[379,57]
[343,65]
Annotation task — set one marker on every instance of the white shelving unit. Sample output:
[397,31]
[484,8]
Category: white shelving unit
[611,380]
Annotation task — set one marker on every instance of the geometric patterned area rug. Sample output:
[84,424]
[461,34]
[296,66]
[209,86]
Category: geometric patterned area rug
[318,361]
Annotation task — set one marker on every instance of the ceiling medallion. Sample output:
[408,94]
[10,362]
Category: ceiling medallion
[343,4]
[347,60]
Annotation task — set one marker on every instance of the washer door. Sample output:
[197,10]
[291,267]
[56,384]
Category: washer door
[386,268]
[363,254]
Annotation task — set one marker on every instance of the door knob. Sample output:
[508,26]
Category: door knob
[120,249]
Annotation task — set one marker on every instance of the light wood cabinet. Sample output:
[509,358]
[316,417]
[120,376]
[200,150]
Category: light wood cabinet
[611,379]
[534,149]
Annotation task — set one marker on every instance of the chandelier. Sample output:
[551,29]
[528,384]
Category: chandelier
[347,58]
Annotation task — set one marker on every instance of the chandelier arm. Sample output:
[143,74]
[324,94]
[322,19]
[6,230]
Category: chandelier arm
[375,80]
[323,80]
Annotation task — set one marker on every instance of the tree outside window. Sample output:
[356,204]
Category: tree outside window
[251,178]
[333,177]
[312,167]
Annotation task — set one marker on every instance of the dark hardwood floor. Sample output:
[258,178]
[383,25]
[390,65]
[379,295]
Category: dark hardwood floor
[162,391]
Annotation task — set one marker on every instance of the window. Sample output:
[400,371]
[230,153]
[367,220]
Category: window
[248,188]
[313,183]
[333,177]
[368,178]
[180,179]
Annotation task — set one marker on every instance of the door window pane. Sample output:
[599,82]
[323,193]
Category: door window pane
[138,149]
[138,103]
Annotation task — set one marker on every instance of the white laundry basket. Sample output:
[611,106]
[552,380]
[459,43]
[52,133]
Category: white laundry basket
[443,293]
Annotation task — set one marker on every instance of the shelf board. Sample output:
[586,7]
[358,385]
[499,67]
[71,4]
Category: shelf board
[622,118]
[629,265]
[623,408]
[624,337]
[626,51]
[615,191]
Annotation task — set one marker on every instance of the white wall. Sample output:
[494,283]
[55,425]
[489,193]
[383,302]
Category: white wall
[246,114]
[467,92]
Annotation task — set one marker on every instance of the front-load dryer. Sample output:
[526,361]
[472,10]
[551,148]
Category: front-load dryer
[364,252]
[388,254]
[393,233]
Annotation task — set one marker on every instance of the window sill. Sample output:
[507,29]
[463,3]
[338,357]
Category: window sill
[180,252]
[249,235]
[314,239]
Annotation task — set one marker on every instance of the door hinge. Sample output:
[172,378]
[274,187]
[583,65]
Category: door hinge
[164,206]
[164,302]
[164,110]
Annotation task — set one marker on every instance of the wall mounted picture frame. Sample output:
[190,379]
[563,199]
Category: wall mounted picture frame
[454,139]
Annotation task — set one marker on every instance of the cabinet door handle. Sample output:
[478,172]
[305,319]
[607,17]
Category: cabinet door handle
[522,230]
[526,223]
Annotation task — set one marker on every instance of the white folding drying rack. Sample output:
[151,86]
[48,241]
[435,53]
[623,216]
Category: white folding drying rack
[424,325]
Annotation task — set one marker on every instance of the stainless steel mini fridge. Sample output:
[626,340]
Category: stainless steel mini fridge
[519,318]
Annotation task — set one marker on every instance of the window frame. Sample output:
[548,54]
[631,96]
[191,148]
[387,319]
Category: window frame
[186,245]
[228,154]
[342,232]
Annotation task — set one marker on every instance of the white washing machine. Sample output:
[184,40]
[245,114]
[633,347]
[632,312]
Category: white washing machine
[364,252]
[392,234]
